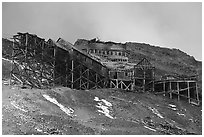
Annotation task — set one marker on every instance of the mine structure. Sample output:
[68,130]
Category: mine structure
[89,65]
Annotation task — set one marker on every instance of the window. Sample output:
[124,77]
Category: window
[91,50]
[85,50]
[115,75]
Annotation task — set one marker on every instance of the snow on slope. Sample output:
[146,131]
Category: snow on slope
[68,111]
[105,106]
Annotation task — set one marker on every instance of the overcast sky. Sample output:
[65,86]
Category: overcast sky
[174,25]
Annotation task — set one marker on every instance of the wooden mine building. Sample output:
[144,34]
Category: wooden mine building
[115,52]
[86,65]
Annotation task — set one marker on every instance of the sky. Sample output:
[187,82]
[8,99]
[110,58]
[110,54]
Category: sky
[172,25]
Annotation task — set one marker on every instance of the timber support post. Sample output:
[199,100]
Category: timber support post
[72,73]
[144,81]
[189,100]
[178,90]
[164,89]
[170,90]
[197,95]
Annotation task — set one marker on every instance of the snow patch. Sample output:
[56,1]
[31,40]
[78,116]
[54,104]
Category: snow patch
[173,106]
[173,109]
[104,105]
[17,106]
[150,128]
[180,114]
[68,111]
[191,120]
[156,112]
[106,102]
[96,99]
[39,130]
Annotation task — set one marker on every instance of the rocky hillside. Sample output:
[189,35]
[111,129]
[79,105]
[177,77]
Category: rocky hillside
[64,111]
[166,61]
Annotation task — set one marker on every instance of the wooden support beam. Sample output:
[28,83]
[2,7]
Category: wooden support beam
[88,78]
[144,81]
[197,95]
[11,69]
[159,82]
[170,93]
[54,77]
[189,100]
[116,83]
[164,89]
[178,91]
[153,78]
[72,73]
[80,73]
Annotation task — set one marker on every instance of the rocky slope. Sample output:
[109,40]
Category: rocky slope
[166,61]
[64,111]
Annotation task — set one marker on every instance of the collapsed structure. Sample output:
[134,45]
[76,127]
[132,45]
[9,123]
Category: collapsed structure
[85,65]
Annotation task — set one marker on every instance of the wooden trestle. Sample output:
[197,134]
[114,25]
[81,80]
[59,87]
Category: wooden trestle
[179,89]
[39,63]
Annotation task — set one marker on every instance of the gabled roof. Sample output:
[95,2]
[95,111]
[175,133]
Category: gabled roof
[144,63]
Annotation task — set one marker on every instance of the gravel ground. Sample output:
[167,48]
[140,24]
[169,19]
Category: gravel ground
[113,112]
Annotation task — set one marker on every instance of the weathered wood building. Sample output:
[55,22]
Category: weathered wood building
[41,64]
[115,52]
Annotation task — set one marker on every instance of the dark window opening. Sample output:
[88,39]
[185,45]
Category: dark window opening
[115,75]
